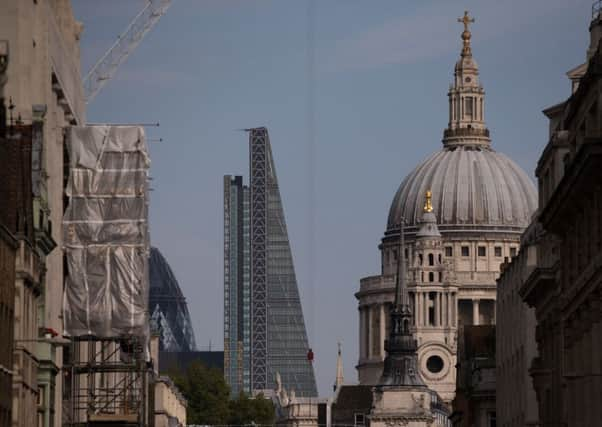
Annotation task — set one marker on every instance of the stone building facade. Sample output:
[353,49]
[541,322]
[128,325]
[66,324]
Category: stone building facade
[516,404]
[474,403]
[169,404]
[8,247]
[565,288]
[480,212]
[43,76]
[29,273]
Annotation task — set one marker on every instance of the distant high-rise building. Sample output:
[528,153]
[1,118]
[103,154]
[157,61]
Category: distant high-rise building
[237,285]
[264,329]
[167,307]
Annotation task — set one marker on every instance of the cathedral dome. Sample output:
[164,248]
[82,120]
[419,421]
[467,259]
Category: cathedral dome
[473,187]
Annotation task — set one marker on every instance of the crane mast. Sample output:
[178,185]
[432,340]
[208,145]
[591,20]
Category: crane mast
[125,44]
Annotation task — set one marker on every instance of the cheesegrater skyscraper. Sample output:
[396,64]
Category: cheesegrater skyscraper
[264,329]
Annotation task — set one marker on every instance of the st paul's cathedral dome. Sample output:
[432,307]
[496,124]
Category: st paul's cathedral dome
[473,186]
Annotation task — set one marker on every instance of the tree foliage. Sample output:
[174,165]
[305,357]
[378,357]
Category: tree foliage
[244,410]
[209,401]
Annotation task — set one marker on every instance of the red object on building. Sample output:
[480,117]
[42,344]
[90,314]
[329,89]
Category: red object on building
[310,355]
[51,332]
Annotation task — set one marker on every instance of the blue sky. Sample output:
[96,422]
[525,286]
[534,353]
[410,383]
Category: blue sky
[354,94]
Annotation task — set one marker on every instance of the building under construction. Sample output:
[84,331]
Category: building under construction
[106,243]
[264,328]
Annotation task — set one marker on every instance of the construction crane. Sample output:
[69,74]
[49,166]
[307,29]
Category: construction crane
[126,43]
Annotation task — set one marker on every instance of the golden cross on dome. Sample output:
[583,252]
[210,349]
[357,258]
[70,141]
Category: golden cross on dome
[428,205]
[466,20]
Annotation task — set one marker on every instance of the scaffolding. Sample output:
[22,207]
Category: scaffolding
[105,304]
[107,382]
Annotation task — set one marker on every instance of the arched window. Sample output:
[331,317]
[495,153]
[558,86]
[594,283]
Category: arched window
[439,258]
[431,259]
[440,277]
[420,259]
[431,276]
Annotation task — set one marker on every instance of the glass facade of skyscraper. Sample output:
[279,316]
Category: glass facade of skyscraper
[169,314]
[237,285]
[259,272]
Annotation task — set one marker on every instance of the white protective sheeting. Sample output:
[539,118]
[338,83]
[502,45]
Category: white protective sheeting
[105,232]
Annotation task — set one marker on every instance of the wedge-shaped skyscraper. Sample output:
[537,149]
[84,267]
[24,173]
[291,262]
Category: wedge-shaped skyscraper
[264,329]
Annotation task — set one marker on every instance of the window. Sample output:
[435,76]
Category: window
[431,259]
[497,251]
[431,277]
[468,106]
[358,419]
[440,277]
[465,251]
[439,258]
[420,259]
[449,251]
[431,309]
[434,364]
[512,252]
[482,251]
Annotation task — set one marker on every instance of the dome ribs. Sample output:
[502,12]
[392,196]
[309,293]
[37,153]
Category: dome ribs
[443,215]
[490,204]
[479,194]
[470,187]
[494,206]
[463,188]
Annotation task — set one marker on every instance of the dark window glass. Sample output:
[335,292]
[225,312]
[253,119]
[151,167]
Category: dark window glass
[498,251]
[482,251]
[434,364]
[465,251]
[449,251]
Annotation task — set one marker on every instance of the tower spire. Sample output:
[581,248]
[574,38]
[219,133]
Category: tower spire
[466,98]
[466,35]
[401,362]
[339,380]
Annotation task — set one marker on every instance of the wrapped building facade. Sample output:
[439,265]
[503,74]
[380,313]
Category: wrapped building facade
[106,237]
